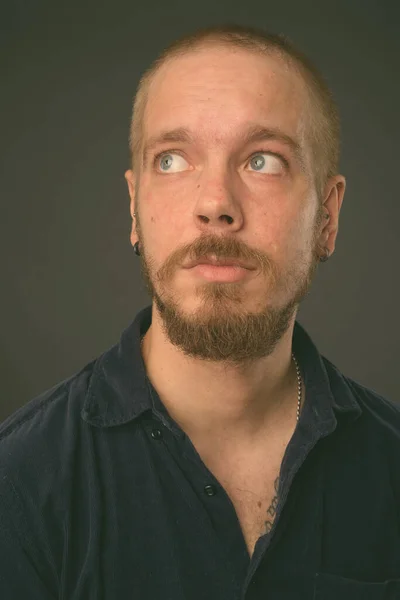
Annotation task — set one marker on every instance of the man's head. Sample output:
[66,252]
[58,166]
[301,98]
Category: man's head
[250,143]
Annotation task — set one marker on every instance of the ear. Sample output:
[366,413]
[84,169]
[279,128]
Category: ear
[130,179]
[334,193]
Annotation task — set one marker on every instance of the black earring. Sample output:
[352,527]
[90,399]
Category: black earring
[136,248]
[324,257]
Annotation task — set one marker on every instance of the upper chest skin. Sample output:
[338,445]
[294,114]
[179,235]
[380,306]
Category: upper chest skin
[255,500]
[251,483]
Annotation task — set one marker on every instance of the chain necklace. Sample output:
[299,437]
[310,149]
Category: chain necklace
[298,380]
[298,385]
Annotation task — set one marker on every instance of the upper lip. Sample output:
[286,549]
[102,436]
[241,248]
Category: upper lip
[219,262]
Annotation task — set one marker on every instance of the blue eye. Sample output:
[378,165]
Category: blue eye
[166,160]
[272,163]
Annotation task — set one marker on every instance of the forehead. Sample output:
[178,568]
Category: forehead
[217,90]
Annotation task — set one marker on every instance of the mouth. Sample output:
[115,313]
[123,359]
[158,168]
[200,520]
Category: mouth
[219,272]
[222,262]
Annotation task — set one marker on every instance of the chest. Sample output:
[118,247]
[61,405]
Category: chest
[252,486]
[255,501]
[251,481]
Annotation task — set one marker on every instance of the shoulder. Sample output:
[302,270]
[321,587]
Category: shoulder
[37,431]
[377,411]
[38,454]
[378,406]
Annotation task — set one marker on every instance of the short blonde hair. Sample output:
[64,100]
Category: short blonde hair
[323,127]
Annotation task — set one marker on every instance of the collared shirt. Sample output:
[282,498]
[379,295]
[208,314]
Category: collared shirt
[104,497]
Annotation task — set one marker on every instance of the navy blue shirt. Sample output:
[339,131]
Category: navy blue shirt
[103,496]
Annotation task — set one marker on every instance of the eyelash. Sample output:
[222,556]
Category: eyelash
[261,151]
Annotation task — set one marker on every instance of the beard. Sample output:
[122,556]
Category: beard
[221,328]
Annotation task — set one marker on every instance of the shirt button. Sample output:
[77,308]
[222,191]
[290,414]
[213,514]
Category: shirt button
[156,434]
[210,490]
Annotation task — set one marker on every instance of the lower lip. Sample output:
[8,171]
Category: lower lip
[214,273]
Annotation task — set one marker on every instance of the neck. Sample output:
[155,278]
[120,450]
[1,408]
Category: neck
[224,406]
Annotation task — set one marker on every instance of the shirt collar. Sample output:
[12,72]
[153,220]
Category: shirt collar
[119,390]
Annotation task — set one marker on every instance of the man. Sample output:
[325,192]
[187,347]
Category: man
[224,458]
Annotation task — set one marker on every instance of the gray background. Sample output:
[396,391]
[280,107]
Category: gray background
[70,280]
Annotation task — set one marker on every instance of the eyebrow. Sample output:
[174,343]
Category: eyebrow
[256,133]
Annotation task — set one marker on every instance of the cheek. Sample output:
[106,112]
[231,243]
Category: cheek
[164,227]
[274,219]
[283,234]
[166,200]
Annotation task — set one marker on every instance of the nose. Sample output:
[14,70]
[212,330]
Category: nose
[218,203]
